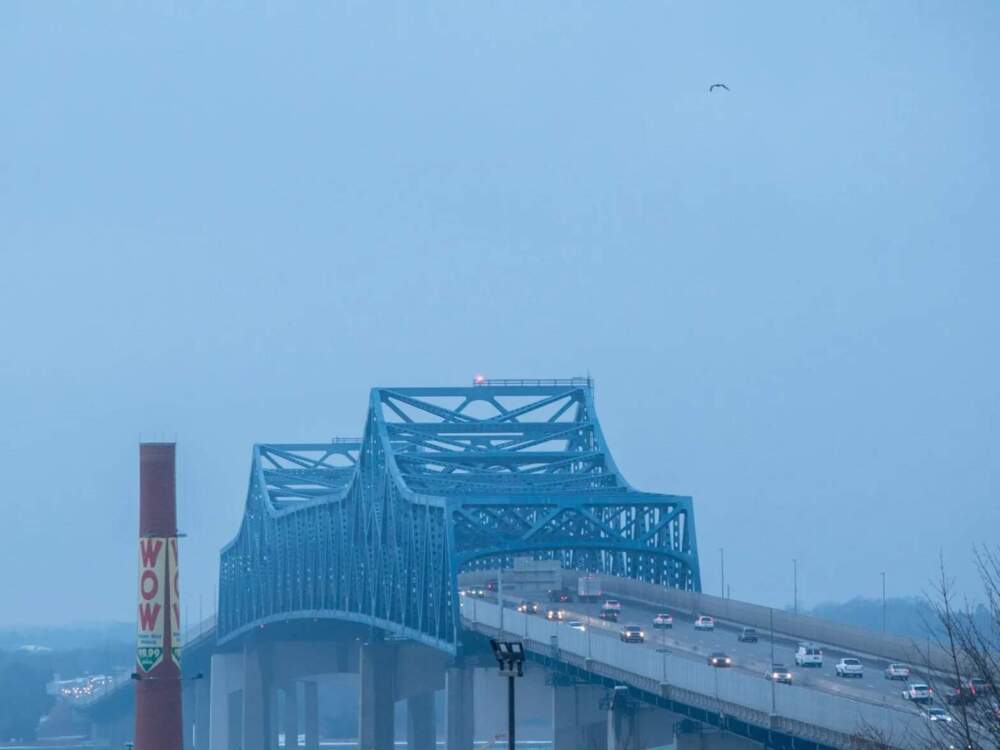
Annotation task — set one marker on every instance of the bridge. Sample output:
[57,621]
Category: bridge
[352,556]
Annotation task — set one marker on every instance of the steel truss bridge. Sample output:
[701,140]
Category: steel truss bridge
[444,480]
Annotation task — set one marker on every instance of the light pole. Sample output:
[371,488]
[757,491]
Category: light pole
[722,563]
[510,659]
[795,585]
[771,615]
[883,602]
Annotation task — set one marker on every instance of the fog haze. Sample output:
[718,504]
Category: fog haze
[222,223]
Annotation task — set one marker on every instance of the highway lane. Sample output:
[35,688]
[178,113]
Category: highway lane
[683,641]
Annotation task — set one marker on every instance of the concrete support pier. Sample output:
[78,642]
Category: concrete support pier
[577,717]
[376,713]
[460,707]
[225,702]
[202,712]
[693,736]
[290,714]
[421,726]
[256,697]
[311,695]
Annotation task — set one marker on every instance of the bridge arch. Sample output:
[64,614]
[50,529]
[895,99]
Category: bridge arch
[377,529]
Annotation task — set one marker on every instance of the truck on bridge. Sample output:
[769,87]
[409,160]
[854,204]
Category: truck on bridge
[588,588]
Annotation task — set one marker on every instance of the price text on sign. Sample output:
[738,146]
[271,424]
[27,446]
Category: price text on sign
[152,595]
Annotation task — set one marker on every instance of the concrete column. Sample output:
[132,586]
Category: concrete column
[421,727]
[256,698]
[709,738]
[578,721]
[460,713]
[187,714]
[274,718]
[226,677]
[202,712]
[234,732]
[376,714]
[290,715]
[312,715]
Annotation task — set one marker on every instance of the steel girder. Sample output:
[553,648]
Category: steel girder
[377,529]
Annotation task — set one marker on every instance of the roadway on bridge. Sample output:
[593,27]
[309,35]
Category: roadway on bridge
[683,641]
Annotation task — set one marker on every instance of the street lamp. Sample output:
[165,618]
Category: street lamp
[795,585]
[510,659]
[883,602]
[722,562]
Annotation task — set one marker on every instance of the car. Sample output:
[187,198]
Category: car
[663,621]
[850,667]
[491,585]
[610,615]
[529,608]
[747,635]
[560,595]
[935,714]
[978,686]
[704,622]
[779,673]
[918,692]
[632,634]
[719,659]
[897,672]
[959,696]
[809,655]
[576,624]
[555,614]
[613,604]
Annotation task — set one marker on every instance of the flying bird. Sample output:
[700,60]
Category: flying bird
[717,86]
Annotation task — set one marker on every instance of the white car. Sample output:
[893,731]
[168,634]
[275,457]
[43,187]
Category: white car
[663,621]
[936,714]
[704,622]
[918,692]
[576,624]
[612,605]
[850,667]
[809,655]
[897,672]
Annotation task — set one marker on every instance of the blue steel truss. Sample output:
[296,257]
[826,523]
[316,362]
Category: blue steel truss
[376,529]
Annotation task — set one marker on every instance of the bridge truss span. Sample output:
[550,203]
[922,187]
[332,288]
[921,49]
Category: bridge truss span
[376,530]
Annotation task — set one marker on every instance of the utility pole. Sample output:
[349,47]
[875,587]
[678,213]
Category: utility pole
[883,602]
[722,561]
[771,667]
[795,585]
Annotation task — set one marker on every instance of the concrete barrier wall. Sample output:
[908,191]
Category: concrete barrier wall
[788,624]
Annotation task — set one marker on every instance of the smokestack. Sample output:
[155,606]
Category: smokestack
[158,642]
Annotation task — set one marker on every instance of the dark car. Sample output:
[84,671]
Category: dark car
[609,614]
[748,635]
[529,608]
[719,659]
[632,634]
[555,614]
[959,696]
[979,686]
[560,595]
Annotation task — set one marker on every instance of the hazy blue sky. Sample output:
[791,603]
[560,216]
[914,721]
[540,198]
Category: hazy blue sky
[224,222]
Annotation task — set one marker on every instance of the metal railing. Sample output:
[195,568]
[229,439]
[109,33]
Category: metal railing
[587,382]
